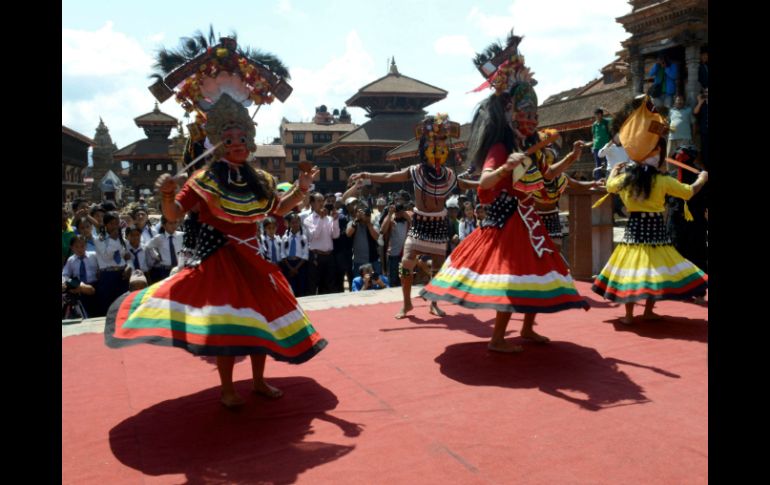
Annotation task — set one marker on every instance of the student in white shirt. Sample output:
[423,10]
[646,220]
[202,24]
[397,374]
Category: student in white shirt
[140,258]
[270,243]
[165,249]
[143,223]
[97,218]
[468,222]
[296,252]
[84,227]
[111,254]
[81,271]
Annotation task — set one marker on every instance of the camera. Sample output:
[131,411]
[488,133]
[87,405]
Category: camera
[72,307]
[329,207]
[400,207]
[375,276]
[73,283]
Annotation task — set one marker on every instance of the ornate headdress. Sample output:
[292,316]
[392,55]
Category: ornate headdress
[504,70]
[433,131]
[641,130]
[203,75]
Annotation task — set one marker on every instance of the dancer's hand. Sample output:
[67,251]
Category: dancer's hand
[306,178]
[514,160]
[166,184]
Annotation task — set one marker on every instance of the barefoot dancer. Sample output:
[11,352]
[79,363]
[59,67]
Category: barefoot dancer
[510,264]
[227,301]
[433,182]
[646,266]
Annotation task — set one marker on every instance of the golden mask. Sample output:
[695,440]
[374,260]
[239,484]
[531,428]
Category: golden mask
[437,152]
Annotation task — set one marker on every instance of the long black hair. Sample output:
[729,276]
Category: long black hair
[109,217]
[490,125]
[640,176]
[289,219]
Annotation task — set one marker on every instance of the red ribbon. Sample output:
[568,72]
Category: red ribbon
[488,82]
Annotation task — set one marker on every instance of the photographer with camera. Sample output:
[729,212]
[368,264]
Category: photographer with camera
[433,181]
[321,229]
[79,281]
[364,233]
[394,229]
[369,279]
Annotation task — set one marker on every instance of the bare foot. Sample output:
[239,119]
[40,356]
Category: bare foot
[627,320]
[535,337]
[231,400]
[505,347]
[651,316]
[266,390]
[435,310]
[406,309]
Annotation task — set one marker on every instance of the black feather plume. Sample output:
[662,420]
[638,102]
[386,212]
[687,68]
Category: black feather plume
[267,59]
[496,48]
[190,47]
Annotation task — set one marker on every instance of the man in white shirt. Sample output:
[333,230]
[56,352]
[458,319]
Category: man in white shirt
[306,208]
[320,229]
[681,127]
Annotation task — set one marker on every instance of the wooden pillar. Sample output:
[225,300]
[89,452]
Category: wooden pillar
[692,62]
[636,76]
[590,232]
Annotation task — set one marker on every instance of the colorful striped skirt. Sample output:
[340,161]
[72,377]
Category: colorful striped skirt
[512,268]
[233,303]
[646,266]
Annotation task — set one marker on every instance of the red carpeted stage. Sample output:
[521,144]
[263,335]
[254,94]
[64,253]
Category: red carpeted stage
[419,400]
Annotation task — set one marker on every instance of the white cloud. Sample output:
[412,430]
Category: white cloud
[342,75]
[117,91]
[118,110]
[284,6]
[490,25]
[332,84]
[102,53]
[105,74]
[453,45]
[565,46]
[460,103]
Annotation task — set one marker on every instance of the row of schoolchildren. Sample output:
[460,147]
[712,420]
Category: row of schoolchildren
[104,260]
[290,252]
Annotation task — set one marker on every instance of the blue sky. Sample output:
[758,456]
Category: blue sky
[332,48]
